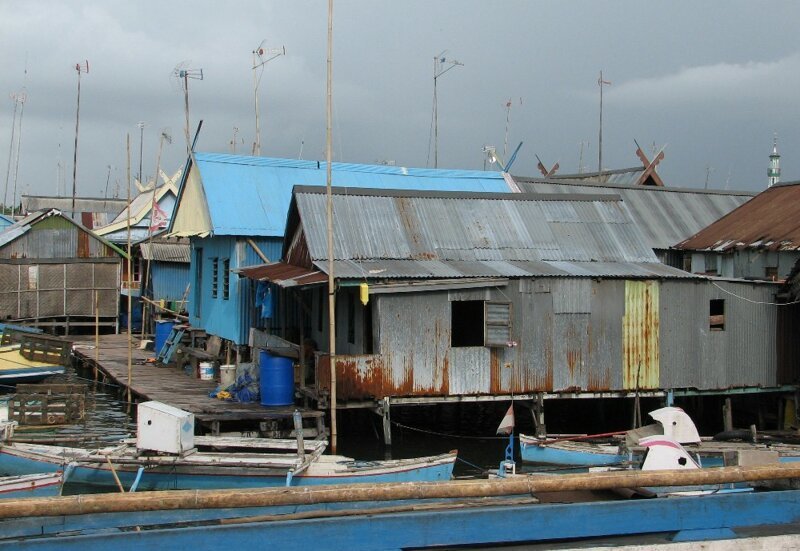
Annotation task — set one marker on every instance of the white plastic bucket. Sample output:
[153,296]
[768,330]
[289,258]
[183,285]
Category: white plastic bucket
[207,371]
[227,375]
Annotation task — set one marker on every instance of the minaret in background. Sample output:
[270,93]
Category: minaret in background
[774,170]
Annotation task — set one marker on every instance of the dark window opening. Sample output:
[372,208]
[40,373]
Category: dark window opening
[687,263]
[320,307]
[198,288]
[771,273]
[214,277]
[226,281]
[351,318]
[368,343]
[467,323]
[717,314]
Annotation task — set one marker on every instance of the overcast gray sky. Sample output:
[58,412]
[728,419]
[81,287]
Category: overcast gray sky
[713,81]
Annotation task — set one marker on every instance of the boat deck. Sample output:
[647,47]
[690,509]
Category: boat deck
[172,386]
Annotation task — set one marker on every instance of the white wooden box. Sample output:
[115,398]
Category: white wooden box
[164,428]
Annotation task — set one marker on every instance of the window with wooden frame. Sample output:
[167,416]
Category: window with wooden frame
[480,323]
[716,310]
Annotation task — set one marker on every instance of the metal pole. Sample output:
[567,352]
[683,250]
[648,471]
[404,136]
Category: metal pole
[75,153]
[257,145]
[130,306]
[186,108]
[435,119]
[331,285]
[600,142]
[10,151]
[141,143]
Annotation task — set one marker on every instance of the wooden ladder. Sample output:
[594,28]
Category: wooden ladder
[171,344]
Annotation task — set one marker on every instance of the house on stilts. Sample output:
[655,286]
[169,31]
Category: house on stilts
[464,297]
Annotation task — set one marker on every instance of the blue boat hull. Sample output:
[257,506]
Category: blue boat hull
[192,478]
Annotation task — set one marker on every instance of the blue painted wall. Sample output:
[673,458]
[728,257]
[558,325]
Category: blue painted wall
[229,318]
[169,280]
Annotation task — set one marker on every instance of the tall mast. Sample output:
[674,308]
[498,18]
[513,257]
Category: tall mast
[601,83]
[774,170]
[80,68]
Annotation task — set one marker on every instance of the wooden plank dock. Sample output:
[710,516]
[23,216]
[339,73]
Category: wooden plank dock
[172,386]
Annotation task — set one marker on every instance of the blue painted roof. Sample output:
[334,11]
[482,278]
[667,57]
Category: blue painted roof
[251,195]
[5,221]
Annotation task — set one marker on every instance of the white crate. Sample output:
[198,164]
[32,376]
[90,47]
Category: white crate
[164,428]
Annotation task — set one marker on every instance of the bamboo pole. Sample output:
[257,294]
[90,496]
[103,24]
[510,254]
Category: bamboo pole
[130,290]
[331,279]
[96,334]
[310,495]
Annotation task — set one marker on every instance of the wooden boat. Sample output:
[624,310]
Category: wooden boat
[16,368]
[29,357]
[139,469]
[398,516]
[624,446]
[31,485]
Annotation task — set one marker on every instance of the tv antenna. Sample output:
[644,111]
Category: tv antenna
[261,57]
[184,73]
[18,99]
[80,68]
[441,65]
[601,83]
[234,140]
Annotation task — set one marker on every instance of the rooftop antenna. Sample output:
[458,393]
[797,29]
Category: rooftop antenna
[508,124]
[601,83]
[300,155]
[440,66]
[233,140]
[141,125]
[261,57]
[21,98]
[108,177]
[580,157]
[15,99]
[80,68]
[709,170]
[182,72]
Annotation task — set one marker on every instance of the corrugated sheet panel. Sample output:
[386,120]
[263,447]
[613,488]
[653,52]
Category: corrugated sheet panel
[435,269]
[640,338]
[32,203]
[251,195]
[167,251]
[694,355]
[169,280]
[768,221]
[666,216]
[435,235]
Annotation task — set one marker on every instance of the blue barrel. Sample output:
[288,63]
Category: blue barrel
[163,329]
[277,380]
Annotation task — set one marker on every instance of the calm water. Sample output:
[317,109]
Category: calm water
[419,430]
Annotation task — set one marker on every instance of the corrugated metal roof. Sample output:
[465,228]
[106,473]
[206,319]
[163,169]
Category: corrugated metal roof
[666,216]
[166,251]
[621,176]
[22,226]
[251,195]
[392,234]
[768,221]
[109,207]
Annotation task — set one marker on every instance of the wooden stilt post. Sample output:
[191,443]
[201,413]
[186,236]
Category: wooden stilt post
[387,422]
[727,415]
[538,415]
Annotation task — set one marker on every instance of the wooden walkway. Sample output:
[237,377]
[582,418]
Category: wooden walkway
[172,386]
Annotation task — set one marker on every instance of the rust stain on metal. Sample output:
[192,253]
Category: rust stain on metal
[83,244]
[767,221]
[411,226]
[640,339]
[495,382]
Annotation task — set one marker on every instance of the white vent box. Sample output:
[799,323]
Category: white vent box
[164,428]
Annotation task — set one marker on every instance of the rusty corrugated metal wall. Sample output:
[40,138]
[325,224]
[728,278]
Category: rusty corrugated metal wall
[640,335]
[571,335]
